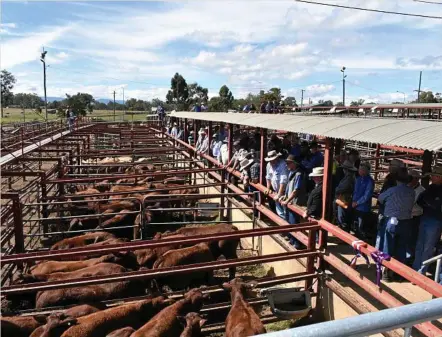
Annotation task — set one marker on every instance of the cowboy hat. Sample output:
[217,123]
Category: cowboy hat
[414,173]
[292,159]
[272,155]
[348,165]
[317,172]
[365,165]
[244,155]
[397,163]
[245,163]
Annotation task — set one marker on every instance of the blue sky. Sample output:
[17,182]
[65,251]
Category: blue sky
[100,46]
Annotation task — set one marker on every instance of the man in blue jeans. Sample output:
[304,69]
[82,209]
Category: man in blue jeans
[295,194]
[395,228]
[431,221]
[276,177]
[362,196]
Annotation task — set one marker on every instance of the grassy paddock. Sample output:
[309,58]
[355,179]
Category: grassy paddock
[14,115]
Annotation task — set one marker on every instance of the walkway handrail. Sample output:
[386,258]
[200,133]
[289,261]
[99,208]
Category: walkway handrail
[437,259]
[371,323]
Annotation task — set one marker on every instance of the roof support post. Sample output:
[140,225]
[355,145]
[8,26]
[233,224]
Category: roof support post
[427,158]
[230,139]
[376,162]
[195,133]
[185,130]
[18,225]
[263,154]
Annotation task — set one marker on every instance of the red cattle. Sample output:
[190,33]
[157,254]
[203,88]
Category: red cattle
[104,322]
[227,248]
[123,332]
[82,240]
[199,253]
[166,323]
[193,323]
[242,320]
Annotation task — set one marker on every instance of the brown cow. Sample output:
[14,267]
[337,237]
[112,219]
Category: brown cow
[82,240]
[104,322]
[199,253]
[86,294]
[242,320]
[193,323]
[55,325]
[123,332]
[104,268]
[166,323]
[20,326]
[227,248]
[49,267]
[147,257]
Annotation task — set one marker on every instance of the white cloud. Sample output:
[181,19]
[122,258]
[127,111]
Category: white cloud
[22,50]
[8,25]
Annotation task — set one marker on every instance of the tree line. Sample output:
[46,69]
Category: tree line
[181,96]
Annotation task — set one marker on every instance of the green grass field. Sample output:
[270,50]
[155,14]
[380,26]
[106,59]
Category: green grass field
[15,116]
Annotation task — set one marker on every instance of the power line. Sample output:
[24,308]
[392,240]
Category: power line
[371,10]
[428,2]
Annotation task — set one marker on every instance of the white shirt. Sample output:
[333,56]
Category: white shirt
[223,156]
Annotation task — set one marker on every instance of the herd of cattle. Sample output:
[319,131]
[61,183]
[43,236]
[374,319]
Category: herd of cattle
[89,312]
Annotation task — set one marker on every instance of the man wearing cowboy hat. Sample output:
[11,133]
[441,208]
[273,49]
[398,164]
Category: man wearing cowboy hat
[201,136]
[296,194]
[362,195]
[431,221]
[394,230]
[244,168]
[277,175]
[416,212]
[314,202]
[343,195]
[204,148]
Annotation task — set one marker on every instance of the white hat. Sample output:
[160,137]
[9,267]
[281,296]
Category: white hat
[244,155]
[272,155]
[317,172]
[245,163]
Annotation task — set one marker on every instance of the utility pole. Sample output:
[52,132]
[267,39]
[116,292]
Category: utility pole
[114,105]
[419,89]
[124,106]
[343,85]
[302,97]
[42,59]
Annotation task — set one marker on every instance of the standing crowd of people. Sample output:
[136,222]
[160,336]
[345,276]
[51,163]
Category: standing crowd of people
[407,225]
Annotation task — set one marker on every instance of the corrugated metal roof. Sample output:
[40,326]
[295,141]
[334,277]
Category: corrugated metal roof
[406,133]
[403,106]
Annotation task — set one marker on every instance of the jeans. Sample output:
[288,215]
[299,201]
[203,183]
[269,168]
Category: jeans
[395,244]
[429,236]
[414,233]
[292,218]
[361,227]
[344,217]
[280,210]
[380,237]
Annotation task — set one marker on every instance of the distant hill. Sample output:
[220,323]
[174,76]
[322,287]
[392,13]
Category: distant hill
[101,100]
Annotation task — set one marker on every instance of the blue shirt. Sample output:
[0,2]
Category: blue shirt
[296,151]
[277,174]
[315,160]
[398,201]
[363,193]
[197,108]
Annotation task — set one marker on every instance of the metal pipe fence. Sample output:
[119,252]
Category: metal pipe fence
[371,323]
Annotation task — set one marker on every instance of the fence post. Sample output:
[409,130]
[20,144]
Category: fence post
[18,224]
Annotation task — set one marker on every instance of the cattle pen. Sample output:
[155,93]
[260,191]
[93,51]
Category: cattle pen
[132,181]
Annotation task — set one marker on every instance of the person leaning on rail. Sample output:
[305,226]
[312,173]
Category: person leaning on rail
[431,221]
[395,229]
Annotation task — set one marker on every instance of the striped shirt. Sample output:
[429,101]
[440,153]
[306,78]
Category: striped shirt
[398,201]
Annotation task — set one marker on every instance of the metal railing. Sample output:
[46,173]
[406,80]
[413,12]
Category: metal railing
[372,323]
[438,260]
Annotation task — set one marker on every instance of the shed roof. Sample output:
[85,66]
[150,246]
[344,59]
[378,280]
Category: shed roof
[406,133]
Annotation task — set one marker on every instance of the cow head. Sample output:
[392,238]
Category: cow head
[193,319]
[195,297]
[238,284]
